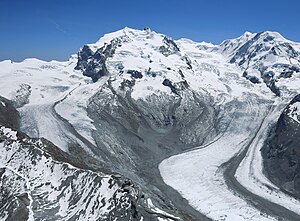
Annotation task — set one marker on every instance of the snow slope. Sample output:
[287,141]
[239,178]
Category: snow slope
[36,87]
[199,175]
[210,105]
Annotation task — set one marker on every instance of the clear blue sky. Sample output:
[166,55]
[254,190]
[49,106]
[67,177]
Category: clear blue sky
[55,29]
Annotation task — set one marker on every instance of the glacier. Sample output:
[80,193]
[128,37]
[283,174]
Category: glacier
[177,125]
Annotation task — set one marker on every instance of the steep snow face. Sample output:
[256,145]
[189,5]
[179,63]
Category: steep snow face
[159,73]
[161,97]
[135,55]
[143,60]
[137,97]
[176,88]
[230,46]
[265,57]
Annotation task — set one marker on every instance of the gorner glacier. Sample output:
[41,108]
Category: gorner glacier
[139,126]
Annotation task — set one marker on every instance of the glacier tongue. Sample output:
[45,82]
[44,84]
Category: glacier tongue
[198,174]
[155,110]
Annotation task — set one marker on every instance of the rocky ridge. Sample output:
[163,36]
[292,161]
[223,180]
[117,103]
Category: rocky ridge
[135,98]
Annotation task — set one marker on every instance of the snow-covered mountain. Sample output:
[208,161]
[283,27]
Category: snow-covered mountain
[265,57]
[139,126]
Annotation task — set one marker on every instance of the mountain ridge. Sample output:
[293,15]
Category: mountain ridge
[169,115]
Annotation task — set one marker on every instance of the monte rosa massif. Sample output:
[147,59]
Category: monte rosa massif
[139,126]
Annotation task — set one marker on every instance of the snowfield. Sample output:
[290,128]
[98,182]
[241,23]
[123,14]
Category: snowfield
[240,86]
[39,88]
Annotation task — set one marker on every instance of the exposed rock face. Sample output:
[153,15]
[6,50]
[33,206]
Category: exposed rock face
[152,97]
[39,181]
[169,47]
[135,74]
[9,116]
[137,134]
[169,120]
[93,64]
[21,96]
[282,149]
[265,55]
[55,190]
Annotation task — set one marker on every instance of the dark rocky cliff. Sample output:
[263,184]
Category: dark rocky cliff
[282,151]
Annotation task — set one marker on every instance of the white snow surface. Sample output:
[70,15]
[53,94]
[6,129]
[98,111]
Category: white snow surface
[50,83]
[196,174]
[294,111]
[249,172]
